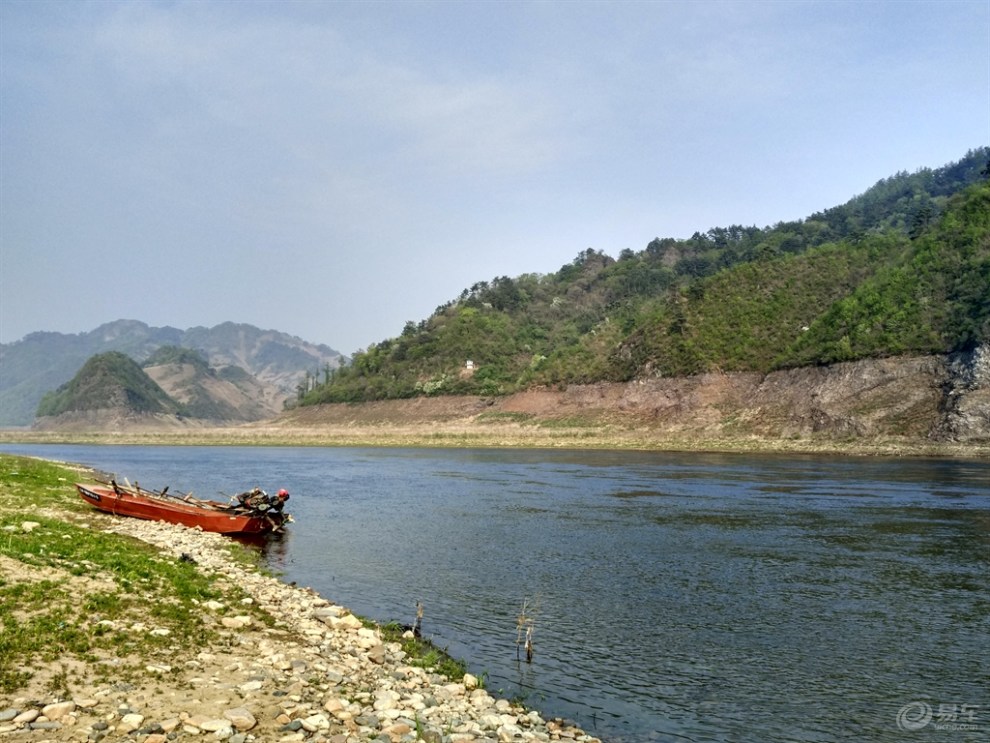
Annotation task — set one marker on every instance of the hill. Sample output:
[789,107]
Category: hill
[224,395]
[902,269]
[109,385]
[176,387]
[43,361]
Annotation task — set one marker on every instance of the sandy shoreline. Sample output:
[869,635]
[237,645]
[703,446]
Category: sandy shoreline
[288,665]
[473,435]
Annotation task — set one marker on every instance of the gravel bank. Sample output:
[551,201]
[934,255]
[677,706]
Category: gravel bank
[318,675]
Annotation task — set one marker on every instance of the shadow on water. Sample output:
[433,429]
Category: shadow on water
[272,549]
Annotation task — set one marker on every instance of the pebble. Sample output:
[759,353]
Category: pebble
[131,721]
[45,725]
[335,681]
[27,716]
[240,718]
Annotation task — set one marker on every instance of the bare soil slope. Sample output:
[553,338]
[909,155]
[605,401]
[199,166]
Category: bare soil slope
[250,400]
[933,405]
[916,400]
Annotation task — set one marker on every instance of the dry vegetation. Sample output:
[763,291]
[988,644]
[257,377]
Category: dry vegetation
[508,435]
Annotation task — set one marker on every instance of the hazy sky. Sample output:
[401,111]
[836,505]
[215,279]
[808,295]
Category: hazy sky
[334,169]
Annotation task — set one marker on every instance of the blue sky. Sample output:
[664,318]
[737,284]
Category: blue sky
[334,169]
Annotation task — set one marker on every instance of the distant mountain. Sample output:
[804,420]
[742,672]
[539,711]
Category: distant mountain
[224,395]
[43,361]
[110,381]
[176,387]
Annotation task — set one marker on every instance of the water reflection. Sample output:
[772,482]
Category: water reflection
[272,549]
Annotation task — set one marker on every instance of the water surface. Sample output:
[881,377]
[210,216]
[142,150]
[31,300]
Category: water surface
[674,597]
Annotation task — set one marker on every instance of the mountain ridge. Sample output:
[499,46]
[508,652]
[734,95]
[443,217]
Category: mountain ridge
[175,388]
[44,360]
[902,269]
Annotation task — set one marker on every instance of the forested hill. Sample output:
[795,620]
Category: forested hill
[903,268]
[107,381]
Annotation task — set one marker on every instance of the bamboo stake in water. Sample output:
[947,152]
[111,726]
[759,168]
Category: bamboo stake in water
[525,622]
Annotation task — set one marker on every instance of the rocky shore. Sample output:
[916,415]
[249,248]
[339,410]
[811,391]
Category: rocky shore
[317,674]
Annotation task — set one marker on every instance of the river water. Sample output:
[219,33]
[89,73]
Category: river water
[673,597]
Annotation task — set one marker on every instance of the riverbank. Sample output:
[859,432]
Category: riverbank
[104,638]
[910,406]
[508,435]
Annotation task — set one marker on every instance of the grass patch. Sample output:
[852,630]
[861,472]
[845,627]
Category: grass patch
[72,593]
[573,421]
[423,653]
[539,435]
[103,596]
[496,416]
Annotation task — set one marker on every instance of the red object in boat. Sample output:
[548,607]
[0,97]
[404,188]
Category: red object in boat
[207,515]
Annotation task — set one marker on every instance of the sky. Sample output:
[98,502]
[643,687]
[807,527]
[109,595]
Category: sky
[334,170]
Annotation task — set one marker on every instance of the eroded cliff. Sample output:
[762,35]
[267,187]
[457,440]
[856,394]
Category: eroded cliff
[931,398]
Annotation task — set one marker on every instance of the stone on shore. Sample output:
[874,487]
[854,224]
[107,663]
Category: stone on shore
[316,674]
[241,718]
[130,722]
[27,716]
[58,710]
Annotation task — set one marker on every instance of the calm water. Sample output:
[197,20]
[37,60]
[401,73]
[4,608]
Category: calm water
[675,597]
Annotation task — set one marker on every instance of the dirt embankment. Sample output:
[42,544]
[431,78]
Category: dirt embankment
[920,401]
[932,405]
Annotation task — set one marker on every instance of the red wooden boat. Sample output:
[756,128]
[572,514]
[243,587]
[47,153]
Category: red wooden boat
[253,513]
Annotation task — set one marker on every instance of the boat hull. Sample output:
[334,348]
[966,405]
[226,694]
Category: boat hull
[208,516]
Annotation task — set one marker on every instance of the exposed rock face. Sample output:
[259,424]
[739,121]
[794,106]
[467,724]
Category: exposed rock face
[966,397]
[894,397]
[221,399]
[929,398]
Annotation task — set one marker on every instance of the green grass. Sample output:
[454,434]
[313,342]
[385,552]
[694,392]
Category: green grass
[86,589]
[498,416]
[423,653]
[573,421]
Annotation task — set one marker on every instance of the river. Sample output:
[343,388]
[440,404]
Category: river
[672,597]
